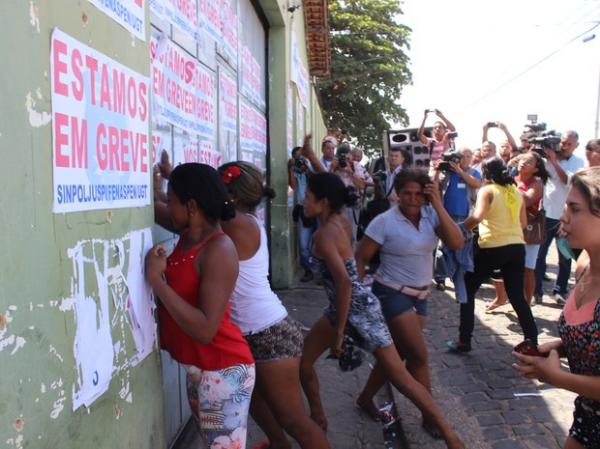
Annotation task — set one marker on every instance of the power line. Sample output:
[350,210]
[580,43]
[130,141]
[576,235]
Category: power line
[531,67]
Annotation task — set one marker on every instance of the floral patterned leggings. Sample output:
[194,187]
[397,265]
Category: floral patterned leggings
[220,401]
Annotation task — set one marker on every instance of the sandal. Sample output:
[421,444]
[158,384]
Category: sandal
[456,347]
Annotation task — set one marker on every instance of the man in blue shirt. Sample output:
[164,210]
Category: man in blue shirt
[301,166]
[461,184]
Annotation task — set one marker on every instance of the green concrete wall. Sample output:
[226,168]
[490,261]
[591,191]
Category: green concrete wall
[37,326]
[284,259]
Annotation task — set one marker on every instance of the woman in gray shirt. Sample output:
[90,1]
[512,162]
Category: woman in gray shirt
[406,237]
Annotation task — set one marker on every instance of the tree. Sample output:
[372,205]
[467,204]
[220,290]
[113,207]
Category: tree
[368,69]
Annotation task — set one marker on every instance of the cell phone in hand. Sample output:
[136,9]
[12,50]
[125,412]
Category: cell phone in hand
[528,348]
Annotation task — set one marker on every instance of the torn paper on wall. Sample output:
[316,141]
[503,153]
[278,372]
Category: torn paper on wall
[93,347]
[140,304]
[112,301]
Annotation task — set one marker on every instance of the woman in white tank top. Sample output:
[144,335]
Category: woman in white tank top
[274,338]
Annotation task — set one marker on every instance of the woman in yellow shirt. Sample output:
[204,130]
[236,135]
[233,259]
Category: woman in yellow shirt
[500,214]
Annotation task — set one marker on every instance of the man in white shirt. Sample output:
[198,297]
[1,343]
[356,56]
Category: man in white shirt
[395,161]
[560,165]
[328,147]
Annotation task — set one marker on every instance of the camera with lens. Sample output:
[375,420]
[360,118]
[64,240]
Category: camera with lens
[548,140]
[450,156]
[492,124]
[300,165]
[342,161]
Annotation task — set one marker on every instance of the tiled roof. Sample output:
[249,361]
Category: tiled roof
[317,36]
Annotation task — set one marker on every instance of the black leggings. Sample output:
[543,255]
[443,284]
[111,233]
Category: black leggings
[510,260]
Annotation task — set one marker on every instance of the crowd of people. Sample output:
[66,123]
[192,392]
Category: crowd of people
[475,215]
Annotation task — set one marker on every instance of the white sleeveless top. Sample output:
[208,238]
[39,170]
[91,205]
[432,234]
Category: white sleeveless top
[254,306]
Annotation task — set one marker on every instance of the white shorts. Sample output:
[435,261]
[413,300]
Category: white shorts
[531,253]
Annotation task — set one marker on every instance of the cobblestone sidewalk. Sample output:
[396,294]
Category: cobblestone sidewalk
[477,390]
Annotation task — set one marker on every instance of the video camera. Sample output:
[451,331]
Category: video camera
[342,154]
[546,140]
[450,156]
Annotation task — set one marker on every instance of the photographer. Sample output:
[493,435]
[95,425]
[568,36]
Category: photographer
[561,164]
[508,148]
[458,182]
[440,142]
[301,166]
[352,176]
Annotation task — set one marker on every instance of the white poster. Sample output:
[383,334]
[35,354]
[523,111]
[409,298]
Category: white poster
[183,92]
[161,139]
[253,134]
[290,121]
[210,17]
[298,72]
[130,14]
[250,77]
[228,112]
[299,124]
[228,44]
[209,155]
[182,14]
[100,124]
[185,147]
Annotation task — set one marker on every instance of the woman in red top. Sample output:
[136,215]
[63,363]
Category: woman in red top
[194,285]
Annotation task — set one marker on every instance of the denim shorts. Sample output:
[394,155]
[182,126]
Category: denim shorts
[531,253]
[394,303]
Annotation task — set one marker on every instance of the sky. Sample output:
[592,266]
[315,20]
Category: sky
[466,55]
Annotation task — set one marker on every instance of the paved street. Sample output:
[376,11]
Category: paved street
[348,429]
[476,391]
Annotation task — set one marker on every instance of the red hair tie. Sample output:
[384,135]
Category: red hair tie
[230,173]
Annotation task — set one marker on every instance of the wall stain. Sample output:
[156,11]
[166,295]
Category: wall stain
[19,424]
[34,16]
[36,119]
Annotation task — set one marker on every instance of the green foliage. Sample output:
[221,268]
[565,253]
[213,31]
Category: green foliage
[368,69]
